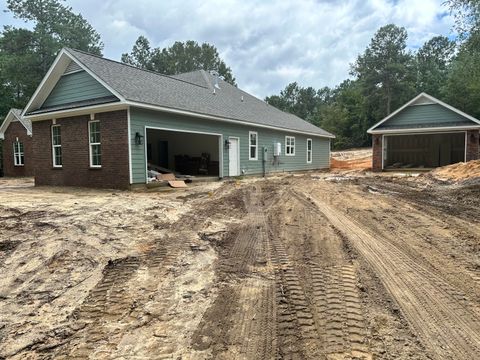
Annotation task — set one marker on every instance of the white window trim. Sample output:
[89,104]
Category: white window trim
[286,146]
[17,154]
[90,153]
[250,145]
[55,146]
[310,151]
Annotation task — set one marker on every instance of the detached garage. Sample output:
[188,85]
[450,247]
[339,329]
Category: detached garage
[424,133]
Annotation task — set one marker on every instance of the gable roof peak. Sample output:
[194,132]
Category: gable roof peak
[432,100]
[15,114]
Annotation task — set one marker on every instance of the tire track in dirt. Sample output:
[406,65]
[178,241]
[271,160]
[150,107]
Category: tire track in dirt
[448,329]
[109,308]
[239,323]
[338,311]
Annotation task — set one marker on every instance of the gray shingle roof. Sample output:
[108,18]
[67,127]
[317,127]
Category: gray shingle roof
[191,92]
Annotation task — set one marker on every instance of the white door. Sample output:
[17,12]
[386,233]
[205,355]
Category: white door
[234,157]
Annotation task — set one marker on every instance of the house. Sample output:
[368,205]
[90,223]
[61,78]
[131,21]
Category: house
[102,123]
[16,133]
[424,133]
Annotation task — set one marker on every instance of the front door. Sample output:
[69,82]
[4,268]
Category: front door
[234,157]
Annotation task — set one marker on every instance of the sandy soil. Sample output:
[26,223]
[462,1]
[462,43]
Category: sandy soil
[354,159]
[293,267]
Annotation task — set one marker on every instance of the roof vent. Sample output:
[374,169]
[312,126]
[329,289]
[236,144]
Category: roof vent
[215,76]
[241,99]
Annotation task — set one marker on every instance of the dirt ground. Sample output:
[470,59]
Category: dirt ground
[353,159]
[312,266]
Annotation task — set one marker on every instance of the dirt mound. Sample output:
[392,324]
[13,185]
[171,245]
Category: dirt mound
[458,172]
[354,164]
[352,154]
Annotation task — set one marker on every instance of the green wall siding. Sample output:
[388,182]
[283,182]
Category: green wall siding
[140,118]
[74,87]
[431,115]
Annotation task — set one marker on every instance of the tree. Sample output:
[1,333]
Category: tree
[179,58]
[386,70]
[462,88]
[26,55]
[141,54]
[467,16]
[432,65]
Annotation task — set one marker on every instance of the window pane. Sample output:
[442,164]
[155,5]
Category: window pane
[96,155]
[58,156]
[95,132]
[253,152]
[56,135]
[253,139]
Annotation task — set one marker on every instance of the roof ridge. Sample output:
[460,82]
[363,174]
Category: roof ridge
[135,67]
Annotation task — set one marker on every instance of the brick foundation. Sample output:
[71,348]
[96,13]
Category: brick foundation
[377,152]
[17,130]
[76,170]
[473,145]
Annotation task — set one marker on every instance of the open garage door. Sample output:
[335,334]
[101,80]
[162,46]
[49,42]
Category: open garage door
[184,153]
[423,150]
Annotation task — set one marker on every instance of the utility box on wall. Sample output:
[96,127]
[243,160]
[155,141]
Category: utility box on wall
[277,149]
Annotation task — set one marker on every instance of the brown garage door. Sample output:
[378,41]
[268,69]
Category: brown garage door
[424,150]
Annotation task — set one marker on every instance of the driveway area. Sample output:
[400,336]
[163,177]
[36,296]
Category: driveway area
[343,265]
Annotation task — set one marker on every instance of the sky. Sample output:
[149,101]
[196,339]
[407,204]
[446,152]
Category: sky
[267,43]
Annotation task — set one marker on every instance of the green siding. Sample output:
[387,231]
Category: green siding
[75,87]
[140,118]
[418,116]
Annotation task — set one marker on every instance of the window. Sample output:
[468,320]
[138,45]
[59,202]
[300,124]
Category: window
[18,159]
[94,142]
[57,146]
[309,151]
[253,136]
[290,145]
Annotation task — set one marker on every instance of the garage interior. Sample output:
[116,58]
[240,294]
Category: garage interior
[183,153]
[423,151]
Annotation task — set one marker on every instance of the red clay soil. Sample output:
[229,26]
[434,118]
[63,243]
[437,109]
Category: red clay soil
[354,164]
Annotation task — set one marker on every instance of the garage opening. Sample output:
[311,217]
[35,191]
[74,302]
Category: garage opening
[183,153]
[423,150]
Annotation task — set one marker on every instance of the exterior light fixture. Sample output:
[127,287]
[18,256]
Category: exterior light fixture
[138,139]
[227,144]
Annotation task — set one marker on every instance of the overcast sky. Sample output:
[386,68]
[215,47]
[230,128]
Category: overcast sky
[268,44]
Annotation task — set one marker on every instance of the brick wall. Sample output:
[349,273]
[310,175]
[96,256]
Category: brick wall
[76,170]
[473,146]
[17,130]
[377,152]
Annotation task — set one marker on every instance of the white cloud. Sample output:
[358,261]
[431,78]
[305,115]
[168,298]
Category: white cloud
[267,43]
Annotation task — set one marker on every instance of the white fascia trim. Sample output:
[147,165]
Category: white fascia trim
[429,97]
[425,130]
[92,74]
[212,117]
[42,83]
[6,122]
[78,111]
[41,87]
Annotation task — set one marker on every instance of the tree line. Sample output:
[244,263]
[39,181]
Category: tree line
[382,78]
[386,75]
